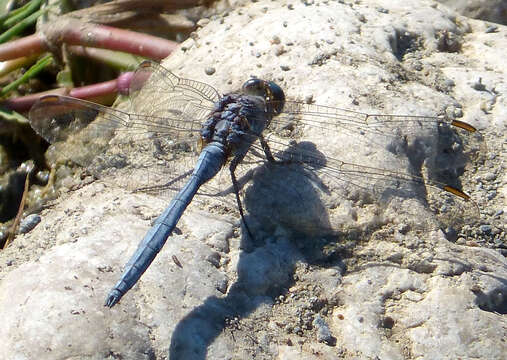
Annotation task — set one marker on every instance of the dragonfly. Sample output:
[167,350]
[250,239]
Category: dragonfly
[177,144]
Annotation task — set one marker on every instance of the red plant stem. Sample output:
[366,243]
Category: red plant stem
[73,32]
[26,46]
[24,103]
[89,92]
[95,90]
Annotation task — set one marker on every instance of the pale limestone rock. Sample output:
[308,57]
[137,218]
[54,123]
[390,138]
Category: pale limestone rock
[399,293]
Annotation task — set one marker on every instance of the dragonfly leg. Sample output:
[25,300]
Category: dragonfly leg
[269,154]
[232,168]
[266,149]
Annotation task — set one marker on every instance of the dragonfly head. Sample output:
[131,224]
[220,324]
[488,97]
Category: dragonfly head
[271,92]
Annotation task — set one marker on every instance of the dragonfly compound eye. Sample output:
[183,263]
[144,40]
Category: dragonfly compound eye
[255,87]
[271,92]
[276,97]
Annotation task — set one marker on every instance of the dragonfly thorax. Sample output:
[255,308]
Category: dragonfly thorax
[236,121]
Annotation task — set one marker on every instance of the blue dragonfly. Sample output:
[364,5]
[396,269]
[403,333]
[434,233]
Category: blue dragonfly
[176,144]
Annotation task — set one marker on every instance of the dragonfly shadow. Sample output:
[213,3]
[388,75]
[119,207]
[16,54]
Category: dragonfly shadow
[285,195]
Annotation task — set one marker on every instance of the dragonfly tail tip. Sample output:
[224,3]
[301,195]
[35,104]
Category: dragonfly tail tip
[112,299]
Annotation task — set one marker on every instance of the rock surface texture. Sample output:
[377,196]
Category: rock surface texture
[489,10]
[385,287]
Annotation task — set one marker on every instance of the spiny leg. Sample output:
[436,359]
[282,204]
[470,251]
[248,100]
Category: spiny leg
[266,149]
[269,154]
[232,168]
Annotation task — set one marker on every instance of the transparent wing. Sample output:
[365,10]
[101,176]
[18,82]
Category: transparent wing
[296,114]
[442,145]
[155,91]
[418,157]
[136,149]
[153,150]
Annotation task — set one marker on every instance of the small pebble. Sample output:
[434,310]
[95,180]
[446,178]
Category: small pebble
[323,332]
[42,176]
[4,232]
[387,322]
[209,70]
[498,241]
[27,167]
[461,241]
[451,234]
[203,22]
[284,67]
[418,66]
[490,176]
[28,223]
[485,229]
[279,50]
[214,259]
[222,285]
[449,83]
[479,86]
[491,29]
[403,228]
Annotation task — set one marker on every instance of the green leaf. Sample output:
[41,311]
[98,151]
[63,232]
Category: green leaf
[32,72]
[17,15]
[13,116]
[22,25]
